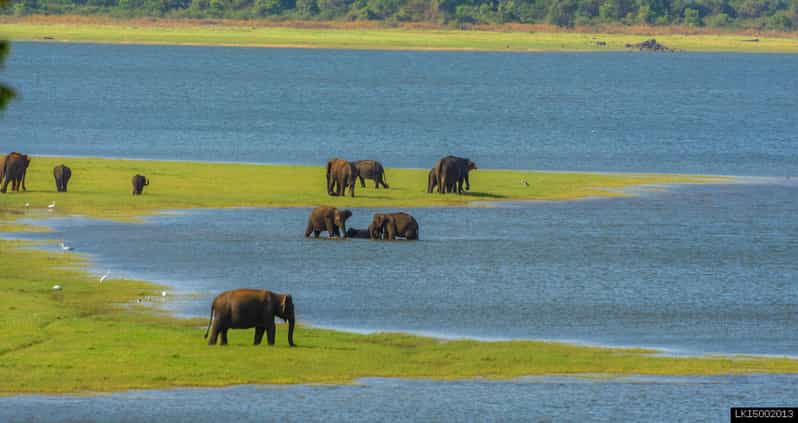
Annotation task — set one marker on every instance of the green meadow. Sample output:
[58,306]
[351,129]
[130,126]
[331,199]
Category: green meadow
[378,38]
[98,337]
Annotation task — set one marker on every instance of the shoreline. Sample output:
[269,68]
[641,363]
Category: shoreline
[342,35]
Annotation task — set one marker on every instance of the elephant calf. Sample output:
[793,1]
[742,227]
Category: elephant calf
[139,182]
[391,225]
[359,233]
[62,175]
[327,219]
[250,308]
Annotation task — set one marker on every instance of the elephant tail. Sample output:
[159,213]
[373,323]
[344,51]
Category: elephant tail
[210,322]
[146,182]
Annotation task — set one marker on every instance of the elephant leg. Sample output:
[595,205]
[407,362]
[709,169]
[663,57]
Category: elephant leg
[214,334]
[259,334]
[271,332]
[316,234]
[468,184]
[362,182]
[224,336]
[330,228]
[352,188]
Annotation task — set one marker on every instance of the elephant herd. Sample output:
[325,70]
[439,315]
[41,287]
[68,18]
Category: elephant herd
[14,167]
[388,226]
[448,175]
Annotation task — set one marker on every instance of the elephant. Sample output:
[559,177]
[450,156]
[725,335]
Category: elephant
[371,169]
[392,225]
[248,308]
[14,168]
[327,219]
[340,175]
[432,179]
[359,233]
[452,172]
[62,174]
[139,182]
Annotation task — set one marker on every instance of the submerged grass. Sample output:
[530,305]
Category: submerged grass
[241,34]
[92,337]
[102,187]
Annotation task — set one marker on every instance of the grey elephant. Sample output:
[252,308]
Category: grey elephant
[139,182]
[327,219]
[62,175]
[250,308]
[371,169]
[13,168]
[452,172]
[391,225]
[341,175]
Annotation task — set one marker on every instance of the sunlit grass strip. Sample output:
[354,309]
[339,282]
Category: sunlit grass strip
[92,337]
[110,31]
[101,187]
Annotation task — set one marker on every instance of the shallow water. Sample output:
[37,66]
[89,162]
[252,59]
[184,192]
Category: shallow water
[638,399]
[701,269]
[685,113]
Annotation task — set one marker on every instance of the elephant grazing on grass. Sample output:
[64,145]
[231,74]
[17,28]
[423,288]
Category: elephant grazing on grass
[327,219]
[340,175]
[452,172]
[62,175]
[13,168]
[250,308]
[371,169]
[139,182]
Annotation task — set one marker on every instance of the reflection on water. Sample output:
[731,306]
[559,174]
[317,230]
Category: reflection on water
[695,270]
[637,399]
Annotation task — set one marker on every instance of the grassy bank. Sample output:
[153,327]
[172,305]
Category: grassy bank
[241,33]
[96,337]
[99,337]
[101,187]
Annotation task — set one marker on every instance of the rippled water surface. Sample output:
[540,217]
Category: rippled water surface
[638,399]
[686,113]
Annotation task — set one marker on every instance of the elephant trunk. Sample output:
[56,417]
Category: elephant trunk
[291,322]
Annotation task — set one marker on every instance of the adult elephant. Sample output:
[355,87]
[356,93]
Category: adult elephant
[250,308]
[139,182]
[371,169]
[392,225]
[452,172]
[15,166]
[340,175]
[327,219]
[62,175]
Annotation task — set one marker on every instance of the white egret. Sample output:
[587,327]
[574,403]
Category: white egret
[51,205]
[27,205]
[105,276]
[163,293]
[56,287]
[65,247]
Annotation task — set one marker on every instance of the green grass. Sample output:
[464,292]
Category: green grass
[379,38]
[101,187]
[92,337]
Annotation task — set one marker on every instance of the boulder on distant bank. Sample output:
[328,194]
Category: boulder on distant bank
[650,45]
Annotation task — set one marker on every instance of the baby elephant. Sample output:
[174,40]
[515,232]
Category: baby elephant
[62,174]
[139,182]
[359,233]
[327,219]
[392,225]
[250,308]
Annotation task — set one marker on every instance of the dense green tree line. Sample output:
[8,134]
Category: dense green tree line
[760,14]
[6,93]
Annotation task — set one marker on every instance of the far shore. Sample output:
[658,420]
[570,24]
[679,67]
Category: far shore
[375,36]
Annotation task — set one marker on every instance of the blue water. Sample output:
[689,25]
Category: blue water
[638,399]
[687,113]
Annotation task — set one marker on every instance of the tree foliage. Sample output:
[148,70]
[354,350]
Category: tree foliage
[758,14]
[6,93]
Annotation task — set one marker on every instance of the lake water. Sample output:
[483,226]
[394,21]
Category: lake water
[689,270]
[685,113]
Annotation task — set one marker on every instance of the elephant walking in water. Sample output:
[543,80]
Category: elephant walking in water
[371,169]
[139,182]
[340,175]
[62,175]
[250,308]
[327,219]
[391,225]
[13,168]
